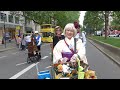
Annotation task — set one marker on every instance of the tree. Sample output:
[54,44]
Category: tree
[61,17]
[92,21]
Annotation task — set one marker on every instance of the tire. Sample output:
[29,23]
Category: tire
[28,60]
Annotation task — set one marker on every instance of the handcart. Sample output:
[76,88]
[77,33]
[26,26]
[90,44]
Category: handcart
[33,53]
[43,74]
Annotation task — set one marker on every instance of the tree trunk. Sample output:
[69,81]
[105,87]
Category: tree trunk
[106,23]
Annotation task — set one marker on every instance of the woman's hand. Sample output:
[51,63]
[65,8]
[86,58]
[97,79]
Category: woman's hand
[63,60]
[73,58]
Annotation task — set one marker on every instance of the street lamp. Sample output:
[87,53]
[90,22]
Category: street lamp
[4,30]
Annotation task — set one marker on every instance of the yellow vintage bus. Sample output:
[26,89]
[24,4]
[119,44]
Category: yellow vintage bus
[48,31]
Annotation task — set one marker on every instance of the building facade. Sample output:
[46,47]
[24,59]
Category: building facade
[15,24]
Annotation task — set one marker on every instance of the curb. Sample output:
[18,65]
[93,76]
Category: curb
[112,58]
[6,49]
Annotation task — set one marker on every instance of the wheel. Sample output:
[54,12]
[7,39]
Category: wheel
[28,60]
[33,59]
[40,56]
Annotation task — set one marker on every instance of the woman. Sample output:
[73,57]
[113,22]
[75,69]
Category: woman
[19,42]
[23,43]
[64,49]
[58,36]
[80,34]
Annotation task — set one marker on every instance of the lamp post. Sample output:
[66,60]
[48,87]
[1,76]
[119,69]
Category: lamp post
[4,30]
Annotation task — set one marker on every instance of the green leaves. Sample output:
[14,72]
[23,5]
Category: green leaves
[60,17]
[94,20]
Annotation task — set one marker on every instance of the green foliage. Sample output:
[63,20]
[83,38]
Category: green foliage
[116,20]
[62,17]
[109,40]
[93,21]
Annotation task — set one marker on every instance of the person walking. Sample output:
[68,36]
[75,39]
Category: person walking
[19,42]
[38,42]
[23,43]
[80,34]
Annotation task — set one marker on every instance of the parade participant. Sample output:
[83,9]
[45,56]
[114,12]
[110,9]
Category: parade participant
[58,36]
[27,39]
[19,42]
[23,43]
[80,35]
[64,49]
[37,39]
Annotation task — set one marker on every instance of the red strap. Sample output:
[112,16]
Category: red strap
[68,47]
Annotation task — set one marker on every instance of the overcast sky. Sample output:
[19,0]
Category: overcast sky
[82,13]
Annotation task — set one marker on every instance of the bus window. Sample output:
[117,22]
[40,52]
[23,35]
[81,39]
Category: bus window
[52,34]
[46,34]
[53,26]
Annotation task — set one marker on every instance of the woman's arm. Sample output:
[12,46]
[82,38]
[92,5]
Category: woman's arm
[57,52]
[81,51]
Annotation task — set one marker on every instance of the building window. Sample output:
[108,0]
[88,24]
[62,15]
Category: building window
[3,17]
[17,20]
[11,18]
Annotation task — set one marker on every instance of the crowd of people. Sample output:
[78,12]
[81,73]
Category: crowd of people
[23,40]
[68,44]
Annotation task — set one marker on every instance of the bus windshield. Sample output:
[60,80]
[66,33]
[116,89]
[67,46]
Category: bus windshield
[47,34]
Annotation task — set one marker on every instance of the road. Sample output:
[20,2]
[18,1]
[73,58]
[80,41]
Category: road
[105,68]
[13,64]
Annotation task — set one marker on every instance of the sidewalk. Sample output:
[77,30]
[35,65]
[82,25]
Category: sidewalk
[9,45]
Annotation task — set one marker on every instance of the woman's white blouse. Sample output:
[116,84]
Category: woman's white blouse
[62,47]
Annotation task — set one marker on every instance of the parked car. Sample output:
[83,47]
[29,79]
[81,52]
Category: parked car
[114,35]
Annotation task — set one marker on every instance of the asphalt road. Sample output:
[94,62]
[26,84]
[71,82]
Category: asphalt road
[105,68]
[13,64]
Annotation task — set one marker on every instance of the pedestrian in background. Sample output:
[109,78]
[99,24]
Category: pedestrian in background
[19,42]
[23,43]
[37,38]
[58,35]
[27,39]
[80,34]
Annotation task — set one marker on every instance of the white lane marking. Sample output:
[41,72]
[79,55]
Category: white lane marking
[49,67]
[44,57]
[21,63]
[3,56]
[23,71]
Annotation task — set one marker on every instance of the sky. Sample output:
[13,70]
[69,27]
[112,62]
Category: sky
[81,18]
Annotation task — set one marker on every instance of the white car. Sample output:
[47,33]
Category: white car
[113,35]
